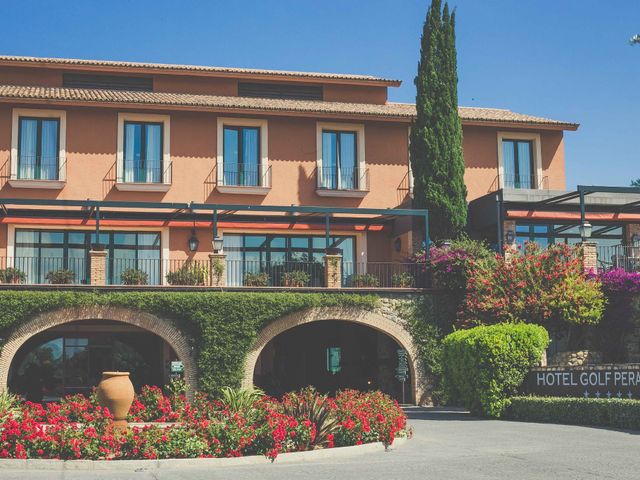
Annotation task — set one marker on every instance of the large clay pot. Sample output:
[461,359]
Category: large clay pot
[115,392]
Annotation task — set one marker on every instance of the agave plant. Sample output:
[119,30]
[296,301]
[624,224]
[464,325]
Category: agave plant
[240,400]
[9,404]
[317,408]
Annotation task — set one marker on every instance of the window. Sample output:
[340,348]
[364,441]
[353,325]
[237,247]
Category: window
[142,152]
[518,164]
[107,82]
[243,160]
[519,161]
[277,254]
[143,158]
[341,164]
[38,148]
[242,156]
[38,252]
[279,90]
[339,160]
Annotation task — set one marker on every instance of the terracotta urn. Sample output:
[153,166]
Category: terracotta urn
[115,392]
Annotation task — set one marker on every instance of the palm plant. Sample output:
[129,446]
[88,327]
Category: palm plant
[315,407]
[9,405]
[240,400]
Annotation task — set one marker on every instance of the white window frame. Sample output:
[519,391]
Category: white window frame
[166,153]
[263,125]
[363,187]
[61,116]
[537,154]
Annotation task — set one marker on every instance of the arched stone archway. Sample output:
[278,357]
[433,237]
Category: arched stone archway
[420,387]
[44,321]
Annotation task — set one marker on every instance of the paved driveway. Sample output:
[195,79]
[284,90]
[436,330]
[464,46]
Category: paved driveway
[447,445]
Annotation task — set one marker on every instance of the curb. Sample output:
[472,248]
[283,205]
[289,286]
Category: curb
[180,463]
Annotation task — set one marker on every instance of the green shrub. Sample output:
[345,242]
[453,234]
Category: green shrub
[360,280]
[597,412]
[61,276]
[133,276]
[402,280]
[485,365]
[191,273]
[260,279]
[296,278]
[12,275]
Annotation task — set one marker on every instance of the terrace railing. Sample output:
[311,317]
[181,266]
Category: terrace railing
[626,257]
[384,275]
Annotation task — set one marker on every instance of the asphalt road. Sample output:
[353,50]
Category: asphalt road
[446,445]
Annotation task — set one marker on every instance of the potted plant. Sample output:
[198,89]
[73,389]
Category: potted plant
[295,278]
[133,276]
[360,280]
[402,280]
[260,279]
[191,273]
[12,275]
[61,276]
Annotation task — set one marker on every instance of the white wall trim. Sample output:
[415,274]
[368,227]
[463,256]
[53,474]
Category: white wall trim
[345,127]
[143,117]
[537,154]
[264,144]
[40,113]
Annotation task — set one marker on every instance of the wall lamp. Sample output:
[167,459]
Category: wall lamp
[510,236]
[193,241]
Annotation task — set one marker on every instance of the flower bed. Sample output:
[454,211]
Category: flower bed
[77,428]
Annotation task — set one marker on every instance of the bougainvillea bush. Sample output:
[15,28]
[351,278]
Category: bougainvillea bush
[619,282]
[78,428]
[547,287]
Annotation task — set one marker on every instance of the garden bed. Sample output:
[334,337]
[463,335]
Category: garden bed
[240,424]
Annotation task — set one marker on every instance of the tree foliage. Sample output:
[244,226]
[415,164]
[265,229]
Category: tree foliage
[436,135]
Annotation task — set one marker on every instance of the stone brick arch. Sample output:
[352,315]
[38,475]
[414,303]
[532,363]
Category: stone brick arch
[44,321]
[420,388]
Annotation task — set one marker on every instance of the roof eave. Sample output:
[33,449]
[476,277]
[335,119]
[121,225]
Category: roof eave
[521,125]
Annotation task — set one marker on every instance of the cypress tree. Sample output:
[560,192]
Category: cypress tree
[436,134]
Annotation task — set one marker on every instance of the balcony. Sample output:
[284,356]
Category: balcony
[519,182]
[39,172]
[243,179]
[625,257]
[342,182]
[231,274]
[135,176]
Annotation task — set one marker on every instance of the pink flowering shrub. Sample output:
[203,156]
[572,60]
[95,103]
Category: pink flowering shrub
[77,428]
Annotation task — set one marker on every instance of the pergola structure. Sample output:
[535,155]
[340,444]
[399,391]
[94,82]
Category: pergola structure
[92,212]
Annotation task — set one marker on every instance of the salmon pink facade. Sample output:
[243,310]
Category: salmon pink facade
[73,130]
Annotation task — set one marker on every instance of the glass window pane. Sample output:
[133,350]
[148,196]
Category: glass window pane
[149,239]
[278,242]
[508,159]
[132,151]
[27,148]
[329,173]
[300,242]
[348,174]
[153,160]
[77,238]
[230,156]
[250,156]
[254,241]
[52,237]
[49,150]
[525,165]
[27,236]
[124,238]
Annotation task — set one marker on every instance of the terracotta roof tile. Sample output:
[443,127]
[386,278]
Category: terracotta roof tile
[399,111]
[193,68]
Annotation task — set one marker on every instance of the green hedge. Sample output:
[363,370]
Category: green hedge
[597,412]
[484,366]
[223,324]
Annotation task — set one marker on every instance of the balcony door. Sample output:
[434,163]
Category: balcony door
[143,152]
[38,148]
[339,160]
[519,167]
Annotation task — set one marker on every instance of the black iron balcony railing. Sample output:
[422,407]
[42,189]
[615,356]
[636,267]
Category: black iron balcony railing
[134,171]
[612,257]
[519,182]
[244,175]
[334,178]
[40,167]
[384,275]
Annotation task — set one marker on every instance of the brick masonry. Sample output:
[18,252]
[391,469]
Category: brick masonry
[589,256]
[217,274]
[165,329]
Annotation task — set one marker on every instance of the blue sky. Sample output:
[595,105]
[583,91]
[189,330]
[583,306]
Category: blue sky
[566,59]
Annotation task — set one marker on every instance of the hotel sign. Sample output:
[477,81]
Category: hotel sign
[595,381]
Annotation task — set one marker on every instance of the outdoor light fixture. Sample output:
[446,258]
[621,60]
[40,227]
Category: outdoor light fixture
[217,244]
[635,238]
[510,236]
[334,355]
[585,230]
[193,241]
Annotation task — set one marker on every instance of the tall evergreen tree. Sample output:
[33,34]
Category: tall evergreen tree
[436,134]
